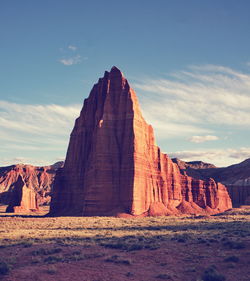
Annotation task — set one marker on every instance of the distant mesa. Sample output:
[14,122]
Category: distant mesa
[193,164]
[114,167]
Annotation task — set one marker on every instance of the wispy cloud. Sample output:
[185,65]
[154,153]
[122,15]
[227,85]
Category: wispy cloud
[197,97]
[71,61]
[28,128]
[219,157]
[200,139]
[72,47]
[37,119]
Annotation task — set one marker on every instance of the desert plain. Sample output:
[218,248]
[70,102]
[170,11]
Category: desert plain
[186,247]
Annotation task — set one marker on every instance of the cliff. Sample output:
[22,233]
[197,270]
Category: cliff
[113,164]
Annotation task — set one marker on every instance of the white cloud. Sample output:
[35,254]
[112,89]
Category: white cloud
[219,157]
[72,47]
[198,97]
[30,129]
[200,139]
[37,119]
[71,61]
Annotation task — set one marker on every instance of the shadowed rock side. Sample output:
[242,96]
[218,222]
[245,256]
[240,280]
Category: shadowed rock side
[39,179]
[114,166]
[22,198]
[235,177]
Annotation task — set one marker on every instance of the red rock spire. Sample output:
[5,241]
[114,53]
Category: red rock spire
[113,164]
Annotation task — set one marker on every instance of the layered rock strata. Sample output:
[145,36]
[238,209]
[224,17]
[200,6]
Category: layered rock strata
[113,164]
[38,179]
[22,198]
[235,177]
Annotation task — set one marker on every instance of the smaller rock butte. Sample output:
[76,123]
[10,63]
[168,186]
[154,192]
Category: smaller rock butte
[114,167]
[23,199]
[15,179]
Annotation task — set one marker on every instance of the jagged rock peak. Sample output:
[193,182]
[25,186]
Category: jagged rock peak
[114,79]
[116,70]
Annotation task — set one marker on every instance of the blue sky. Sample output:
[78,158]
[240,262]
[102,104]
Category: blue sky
[188,61]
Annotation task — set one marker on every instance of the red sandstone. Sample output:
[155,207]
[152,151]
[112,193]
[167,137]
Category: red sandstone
[113,164]
[20,182]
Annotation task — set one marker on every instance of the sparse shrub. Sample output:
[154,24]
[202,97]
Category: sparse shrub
[129,274]
[153,247]
[118,260]
[164,276]
[133,247]
[211,274]
[53,259]
[44,252]
[123,246]
[202,241]
[4,268]
[27,244]
[94,255]
[231,259]
[211,240]
[51,270]
[75,258]
[235,245]
[76,253]
[191,269]
[113,245]
[35,260]
[181,240]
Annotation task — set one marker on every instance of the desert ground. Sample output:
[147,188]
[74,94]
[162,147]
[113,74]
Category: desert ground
[194,248]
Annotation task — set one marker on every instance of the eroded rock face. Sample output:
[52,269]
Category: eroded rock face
[38,179]
[235,177]
[113,164]
[22,198]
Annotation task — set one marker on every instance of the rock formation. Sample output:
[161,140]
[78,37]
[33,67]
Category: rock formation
[198,165]
[113,164]
[38,179]
[22,198]
[235,177]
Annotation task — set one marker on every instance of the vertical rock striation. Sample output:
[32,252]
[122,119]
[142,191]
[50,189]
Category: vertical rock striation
[113,164]
[23,199]
[236,177]
[39,179]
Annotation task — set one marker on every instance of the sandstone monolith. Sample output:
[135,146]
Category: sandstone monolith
[113,164]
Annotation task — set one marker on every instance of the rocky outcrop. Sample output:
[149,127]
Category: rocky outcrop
[235,177]
[113,164]
[22,198]
[38,179]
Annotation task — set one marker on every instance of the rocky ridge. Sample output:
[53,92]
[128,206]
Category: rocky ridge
[235,177]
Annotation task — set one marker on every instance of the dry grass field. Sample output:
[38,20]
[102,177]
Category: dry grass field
[193,248]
